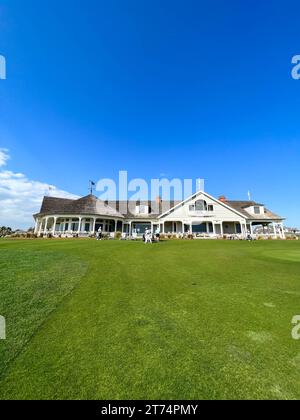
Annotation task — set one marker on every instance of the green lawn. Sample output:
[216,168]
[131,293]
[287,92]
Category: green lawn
[125,320]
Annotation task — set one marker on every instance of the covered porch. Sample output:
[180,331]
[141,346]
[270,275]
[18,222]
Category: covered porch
[266,229]
[72,225]
[203,227]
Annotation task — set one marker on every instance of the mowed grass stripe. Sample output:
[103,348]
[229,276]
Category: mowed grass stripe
[32,285]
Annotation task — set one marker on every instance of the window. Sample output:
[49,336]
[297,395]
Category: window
[140,228]
[200,205]
[74,226]
[256,210]
[142,209]
[238,228]
[199,228]
[210,207]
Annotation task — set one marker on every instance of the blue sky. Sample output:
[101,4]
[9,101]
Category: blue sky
[185,88]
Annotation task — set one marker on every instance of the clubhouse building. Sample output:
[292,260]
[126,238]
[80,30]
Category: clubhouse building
[200,215]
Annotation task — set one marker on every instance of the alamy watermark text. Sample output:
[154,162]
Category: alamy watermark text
[296,68]
[2,67]
[296,328]
[2,328]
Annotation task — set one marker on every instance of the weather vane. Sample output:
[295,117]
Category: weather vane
[92,186]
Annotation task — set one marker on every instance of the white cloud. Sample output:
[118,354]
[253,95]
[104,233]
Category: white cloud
[21,197]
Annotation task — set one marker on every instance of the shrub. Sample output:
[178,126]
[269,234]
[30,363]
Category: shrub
[118,235]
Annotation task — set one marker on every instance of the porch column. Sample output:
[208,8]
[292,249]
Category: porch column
[214,228]
[222,230]
[40,227]
[243,229]
[54,225]
[251,229]
[246,231]
[274,229]
[94,225]
[46,224]
[282,231]
[116,225]
[79,225]
[36,226]
[191,227]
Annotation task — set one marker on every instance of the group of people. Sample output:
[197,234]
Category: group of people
[148,237]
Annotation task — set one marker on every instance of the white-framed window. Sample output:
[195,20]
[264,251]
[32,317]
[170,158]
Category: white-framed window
[201,205]
[142,209]
[257,210]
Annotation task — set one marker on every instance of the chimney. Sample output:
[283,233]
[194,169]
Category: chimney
[223,199]
[156,207]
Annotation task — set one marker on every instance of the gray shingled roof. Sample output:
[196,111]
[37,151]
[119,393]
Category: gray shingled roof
[91,205]
[88,205]
[241,207]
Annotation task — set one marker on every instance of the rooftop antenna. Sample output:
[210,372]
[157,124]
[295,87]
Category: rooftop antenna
[92,187]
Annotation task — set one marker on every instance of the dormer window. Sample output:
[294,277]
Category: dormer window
[142,209]
[257,210]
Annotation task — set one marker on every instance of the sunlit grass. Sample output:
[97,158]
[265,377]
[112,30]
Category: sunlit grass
[177,320]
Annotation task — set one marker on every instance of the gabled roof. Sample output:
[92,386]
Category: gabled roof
[194,196]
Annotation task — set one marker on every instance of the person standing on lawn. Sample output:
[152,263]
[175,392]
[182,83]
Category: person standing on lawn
[99,234]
